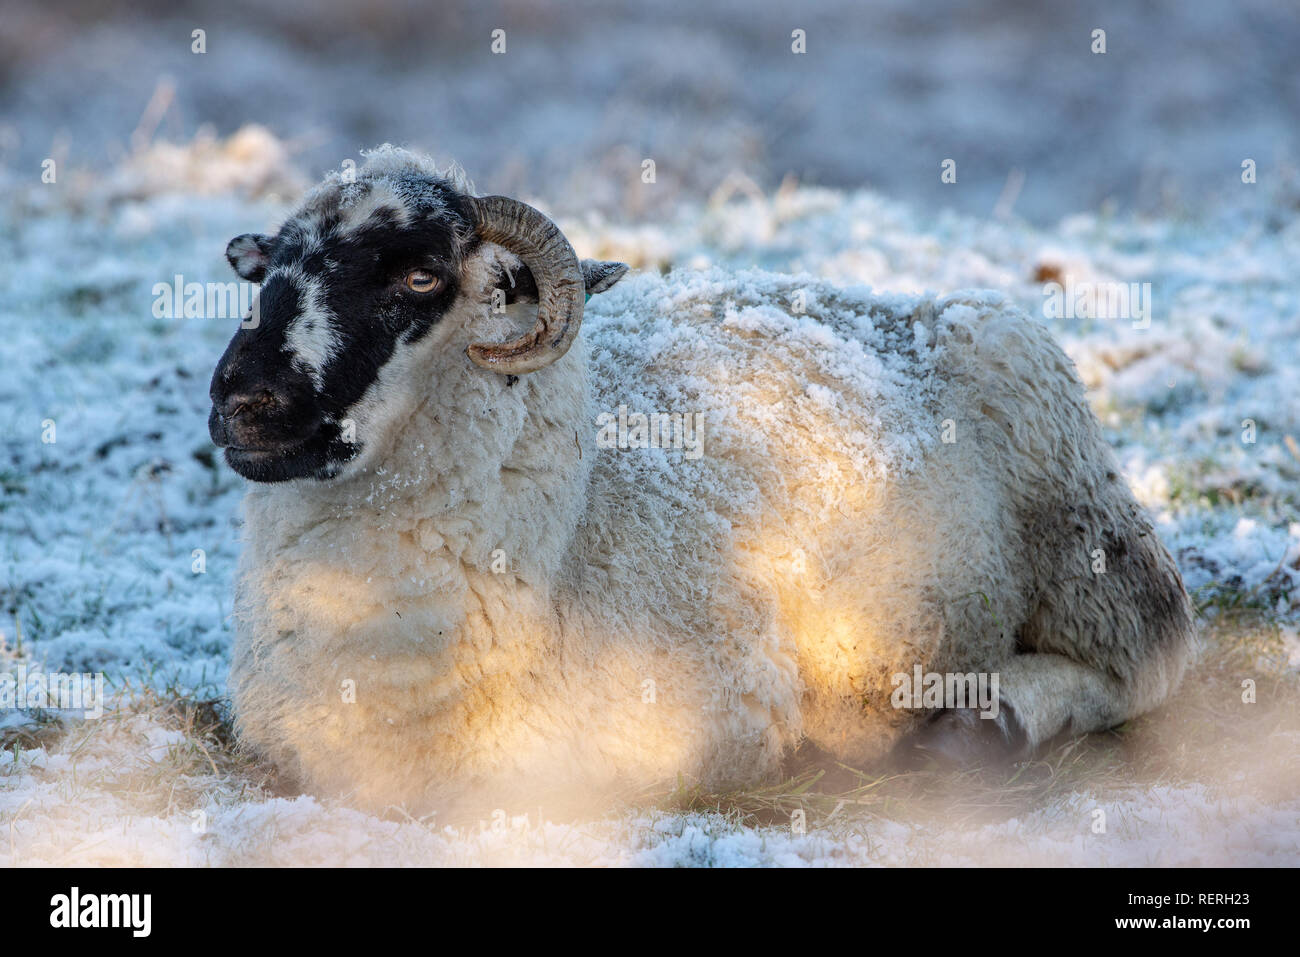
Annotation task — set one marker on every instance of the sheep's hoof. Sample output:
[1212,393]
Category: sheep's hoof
[959,737]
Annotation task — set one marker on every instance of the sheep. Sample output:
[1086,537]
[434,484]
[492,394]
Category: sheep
[471,575]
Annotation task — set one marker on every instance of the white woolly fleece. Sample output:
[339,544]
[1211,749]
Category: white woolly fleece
[496,611]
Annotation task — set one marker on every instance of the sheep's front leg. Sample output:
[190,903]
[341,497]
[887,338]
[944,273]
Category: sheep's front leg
[1039,696]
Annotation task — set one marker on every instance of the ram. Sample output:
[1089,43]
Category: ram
[473,573]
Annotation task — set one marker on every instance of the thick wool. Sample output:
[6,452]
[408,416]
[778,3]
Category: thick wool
[498,612]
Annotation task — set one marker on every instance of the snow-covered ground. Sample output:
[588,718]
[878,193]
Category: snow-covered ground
[52,823]
[112,498]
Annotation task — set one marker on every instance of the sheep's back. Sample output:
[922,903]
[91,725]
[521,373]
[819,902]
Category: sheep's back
[810,547]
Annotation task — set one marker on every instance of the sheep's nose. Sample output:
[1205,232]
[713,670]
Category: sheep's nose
[253,401]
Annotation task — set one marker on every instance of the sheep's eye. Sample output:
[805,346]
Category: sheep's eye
[421,280]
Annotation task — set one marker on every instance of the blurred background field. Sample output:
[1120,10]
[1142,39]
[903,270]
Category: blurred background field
[586,90]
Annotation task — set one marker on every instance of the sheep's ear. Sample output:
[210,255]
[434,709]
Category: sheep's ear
[520,286]
[600,275]
[518,283]
[249,255]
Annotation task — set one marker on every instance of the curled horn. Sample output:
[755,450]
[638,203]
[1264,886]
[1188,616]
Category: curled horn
[560,286]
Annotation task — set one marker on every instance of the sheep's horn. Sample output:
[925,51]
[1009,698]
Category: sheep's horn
[560,286]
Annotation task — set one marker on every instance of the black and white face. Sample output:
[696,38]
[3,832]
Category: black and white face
[361,272]
[364,271]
